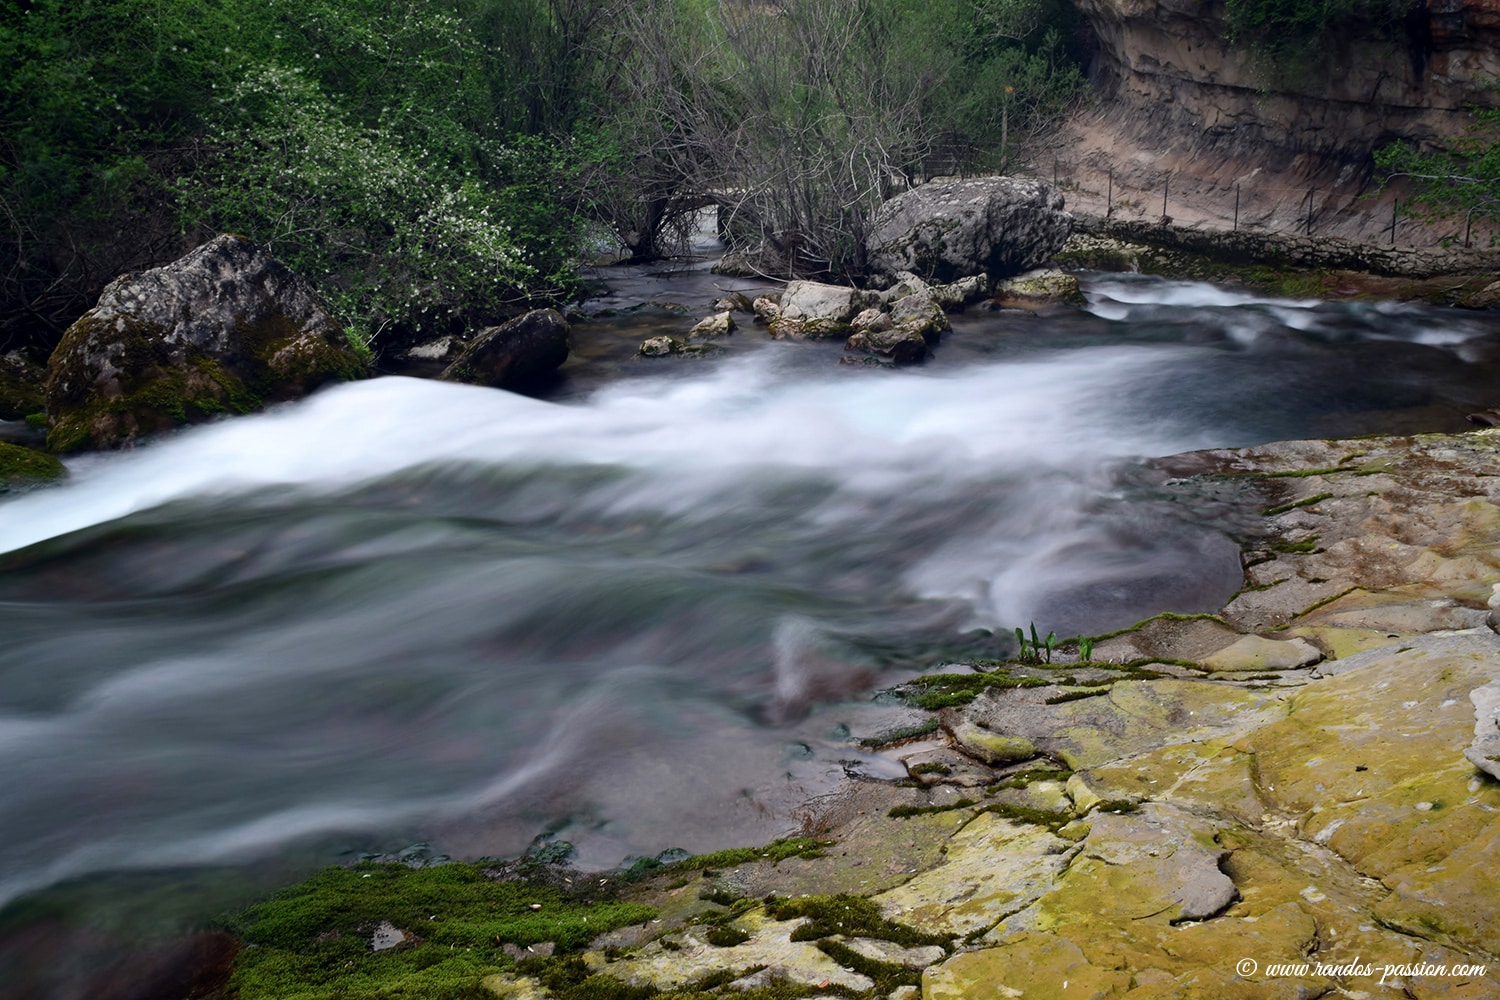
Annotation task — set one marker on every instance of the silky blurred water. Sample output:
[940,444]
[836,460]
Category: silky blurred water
[648,610]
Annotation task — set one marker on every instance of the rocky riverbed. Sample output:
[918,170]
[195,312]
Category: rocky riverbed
[1280,800]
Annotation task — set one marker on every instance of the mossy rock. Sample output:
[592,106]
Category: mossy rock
[21,386]
[22,468]
[226,329]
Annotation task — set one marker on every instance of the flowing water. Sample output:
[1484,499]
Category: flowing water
[646,611]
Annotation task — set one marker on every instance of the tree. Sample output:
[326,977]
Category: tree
[1459,180]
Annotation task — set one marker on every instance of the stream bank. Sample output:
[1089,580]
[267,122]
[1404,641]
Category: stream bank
[1271,801]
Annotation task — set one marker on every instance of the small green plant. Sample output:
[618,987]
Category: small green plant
[1085,648]
[1036,649]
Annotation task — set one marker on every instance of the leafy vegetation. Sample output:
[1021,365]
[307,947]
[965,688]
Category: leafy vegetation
[433,165]
[1294,34]
[1459,180]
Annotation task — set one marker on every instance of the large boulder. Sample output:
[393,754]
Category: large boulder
[946,230]
[513,353]
[225,329]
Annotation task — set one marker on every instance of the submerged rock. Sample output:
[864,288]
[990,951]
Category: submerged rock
[225,329]
[946,230]
[513,353]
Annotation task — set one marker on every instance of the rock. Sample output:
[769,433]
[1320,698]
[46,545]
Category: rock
[946,230]
[990,747]
[441,349]
[22,468]
[1487,297]
[811,309]
[750,262]
[1484,752]
[957,294]
[388,936]
[1034,287]
[720,324]
[734,302]
[197,965]
[22,386]
[905,284]
[894,954]
[919,314]
[871,320]
[513,353]
[225,329]
[992,866]
[1252,652]
[767,308]
[904,347]
[660,347]
[769,945]
[664,346]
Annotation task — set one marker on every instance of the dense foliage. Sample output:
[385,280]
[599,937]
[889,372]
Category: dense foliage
[1295,33]
[435,163]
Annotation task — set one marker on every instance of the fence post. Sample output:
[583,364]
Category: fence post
[1109,199]
[1236,208]
[1309,210]
[1165,185]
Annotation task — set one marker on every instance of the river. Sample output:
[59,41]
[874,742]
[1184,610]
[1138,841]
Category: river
[645,610]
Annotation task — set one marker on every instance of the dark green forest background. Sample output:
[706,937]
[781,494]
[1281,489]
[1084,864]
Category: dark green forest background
[431,164]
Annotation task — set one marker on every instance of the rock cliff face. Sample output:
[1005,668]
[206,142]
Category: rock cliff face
[1186,117]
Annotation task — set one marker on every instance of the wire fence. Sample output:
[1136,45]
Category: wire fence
[1348,207]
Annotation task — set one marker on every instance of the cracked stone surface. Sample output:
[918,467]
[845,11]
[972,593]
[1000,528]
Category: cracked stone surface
[1335,814]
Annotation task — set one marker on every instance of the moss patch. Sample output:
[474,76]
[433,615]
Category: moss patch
[313,940]
[943,690]
[22,467]
[850,916]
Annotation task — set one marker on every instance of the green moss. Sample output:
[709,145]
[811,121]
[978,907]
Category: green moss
[930,767]
[37,421]
[159,385]
[885,975]
[775,851]
[1294,548]
[901,735]
[1304,473]
[1305,502]
[1053,821]
[20,467]
[312,940]
[935,691]
[725,936]
[1024,779]
[903,812]
[850,916]
[1067,696]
